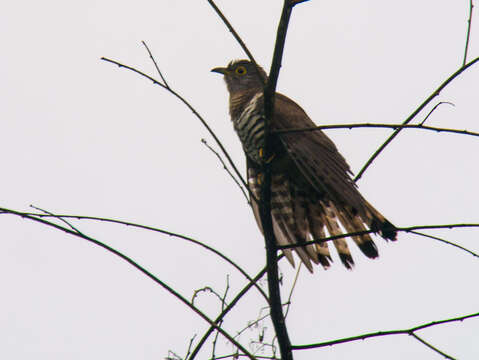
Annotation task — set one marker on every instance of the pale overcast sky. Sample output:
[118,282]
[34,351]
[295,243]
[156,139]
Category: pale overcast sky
[81,136]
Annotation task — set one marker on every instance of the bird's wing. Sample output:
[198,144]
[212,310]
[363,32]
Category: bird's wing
[315,155]
[302,212]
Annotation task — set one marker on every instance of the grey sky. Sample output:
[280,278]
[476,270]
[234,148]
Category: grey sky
[84,137]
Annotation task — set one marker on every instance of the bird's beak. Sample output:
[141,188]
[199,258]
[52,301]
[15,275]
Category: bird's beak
[220,70]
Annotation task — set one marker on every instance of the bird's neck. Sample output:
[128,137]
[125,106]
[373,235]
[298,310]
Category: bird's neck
[240,99]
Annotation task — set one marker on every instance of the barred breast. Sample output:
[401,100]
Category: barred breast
[249,126]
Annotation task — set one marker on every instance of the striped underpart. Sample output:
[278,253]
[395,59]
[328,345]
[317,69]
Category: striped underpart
[250,128]
[297,218]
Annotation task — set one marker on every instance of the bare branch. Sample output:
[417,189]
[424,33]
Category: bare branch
[236,36]
[383,333]
[169,233]
[444,241]
[288,303]
[413,115]
[189,106]
[468,34]
[405,229]
[135,265]
[206,289]
[59,218]
[276,311]
[252,324]
[236,356]
[372,125]
[223,304]
[227,170]
[173,356]
[296,2]
[434,108]
[433,348]
[225,311]
[156,65]
[189,346]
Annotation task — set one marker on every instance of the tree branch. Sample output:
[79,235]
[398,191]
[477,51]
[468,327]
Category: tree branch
[413,115]
[444,241]
[145,227]
[156,65]
[409,331]
[434,109]
[468,33]
[189,106]
[372,125]
[405,229]
[227,170]
[236,36]
[276,311]
[225,311]
[135,265]
[433,348]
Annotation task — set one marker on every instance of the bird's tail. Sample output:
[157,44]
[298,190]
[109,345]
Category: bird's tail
[297,218]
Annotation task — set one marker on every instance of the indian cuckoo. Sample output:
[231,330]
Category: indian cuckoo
[312,192]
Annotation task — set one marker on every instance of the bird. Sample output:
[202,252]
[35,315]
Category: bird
[313,194]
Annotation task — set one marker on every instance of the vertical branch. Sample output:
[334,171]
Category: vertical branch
[469,23]
[276,309]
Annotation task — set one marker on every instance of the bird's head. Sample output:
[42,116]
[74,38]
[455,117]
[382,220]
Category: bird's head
[242,75]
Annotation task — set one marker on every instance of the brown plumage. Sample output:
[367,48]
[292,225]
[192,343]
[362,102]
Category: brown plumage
[312,193]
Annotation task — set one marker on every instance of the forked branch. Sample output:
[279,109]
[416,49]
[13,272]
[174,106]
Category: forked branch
[413,115]
[410,331]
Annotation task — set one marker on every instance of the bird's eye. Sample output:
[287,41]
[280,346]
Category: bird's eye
[240,70]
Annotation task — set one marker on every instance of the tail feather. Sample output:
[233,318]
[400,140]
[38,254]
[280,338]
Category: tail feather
[282,211]
[299,216]
[283,240]
[378,223]
[300,210]
[334,230]
[353,223]
[316,227]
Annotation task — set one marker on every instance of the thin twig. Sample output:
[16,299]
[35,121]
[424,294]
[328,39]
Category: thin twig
[252,324]
[433,348]
[296,2]
[236,356]
[156,65]
[223,305]
[382,333]
[225,311]
[445,242]
[468,34]
[227,170]
[257,321]
[205,289]
[237,37]
[138,267]
[59,218]
[372,125]
[173,356]
[169,233]
[405,229]
[433,109]
[225,294]
[189,347]
[413,115]
[192,109]
[288,303]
